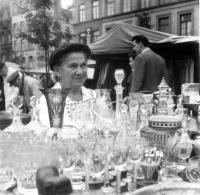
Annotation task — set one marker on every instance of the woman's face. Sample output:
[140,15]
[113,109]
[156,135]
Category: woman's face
[73,70]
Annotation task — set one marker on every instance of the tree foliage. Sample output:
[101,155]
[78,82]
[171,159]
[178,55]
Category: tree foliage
[43,28]
[144,20]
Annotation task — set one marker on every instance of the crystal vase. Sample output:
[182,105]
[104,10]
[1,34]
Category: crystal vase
[55,99]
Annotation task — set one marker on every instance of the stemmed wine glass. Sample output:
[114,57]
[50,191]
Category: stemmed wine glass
[107,148]
[82,119]
[118,159]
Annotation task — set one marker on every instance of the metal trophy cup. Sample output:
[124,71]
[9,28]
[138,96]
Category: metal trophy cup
[55,99]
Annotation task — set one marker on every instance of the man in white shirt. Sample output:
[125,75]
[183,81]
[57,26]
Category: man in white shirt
[9,92]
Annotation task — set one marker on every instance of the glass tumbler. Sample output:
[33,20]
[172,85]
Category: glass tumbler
[27,160]
[6,165]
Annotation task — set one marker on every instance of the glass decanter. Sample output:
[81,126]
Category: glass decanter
[35,125]
[16,125]
[185,144]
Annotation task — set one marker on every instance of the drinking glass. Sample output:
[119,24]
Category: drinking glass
[143,115]
[27,160]
[82,119]
[169,172]
[133,110]
[6,165]
[104,145]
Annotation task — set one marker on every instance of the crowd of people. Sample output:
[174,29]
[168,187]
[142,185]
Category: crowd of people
[69,65]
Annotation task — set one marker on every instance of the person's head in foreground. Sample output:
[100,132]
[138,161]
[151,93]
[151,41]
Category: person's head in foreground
[49,182]
[69,63]
[140,42]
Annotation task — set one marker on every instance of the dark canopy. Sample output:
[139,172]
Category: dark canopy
[118,39]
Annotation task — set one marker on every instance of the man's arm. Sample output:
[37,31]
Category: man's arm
[36,89]
[138,74]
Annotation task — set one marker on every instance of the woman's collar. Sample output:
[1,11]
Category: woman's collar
[84,89]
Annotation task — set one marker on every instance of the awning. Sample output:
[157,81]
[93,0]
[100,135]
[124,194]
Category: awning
[180,39]
[118,39]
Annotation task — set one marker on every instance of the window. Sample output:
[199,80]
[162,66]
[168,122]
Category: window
[82,13]
[22,44]
[22,26]
[5,14]
[126,5]
[164,24]
[14,28]
[14,9]
[95,9]
[110,7]
[15,45]
[83,38]
[186,24]
[164,2]
[9,37]
[96,34]
[30,61]
[145,3]
[3,38]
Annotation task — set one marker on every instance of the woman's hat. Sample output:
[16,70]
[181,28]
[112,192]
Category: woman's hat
[66,49]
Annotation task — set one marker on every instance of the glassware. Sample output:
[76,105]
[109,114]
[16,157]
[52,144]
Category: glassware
[82,119]
[185,148]
[118,157]
[27,160]
[55,99]
[107,188]
[119,76]
[6,165]
[193,169]
[190,92]
[16,125]
[169,172]
[103,105]
[144,113]
[56,102]
[35,124]
[185,144]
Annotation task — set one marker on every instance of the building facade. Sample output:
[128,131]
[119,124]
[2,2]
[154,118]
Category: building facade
[33,55]
[91,18]
[13,22]
[5,31]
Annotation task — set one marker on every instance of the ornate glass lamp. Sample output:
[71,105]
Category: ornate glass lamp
[119,76]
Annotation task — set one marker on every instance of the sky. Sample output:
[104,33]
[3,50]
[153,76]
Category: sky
[66,3]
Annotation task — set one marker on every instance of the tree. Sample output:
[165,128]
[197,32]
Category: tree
[144,20]
[43,28]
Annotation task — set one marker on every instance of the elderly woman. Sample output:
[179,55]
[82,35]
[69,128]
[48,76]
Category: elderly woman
[69,63]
